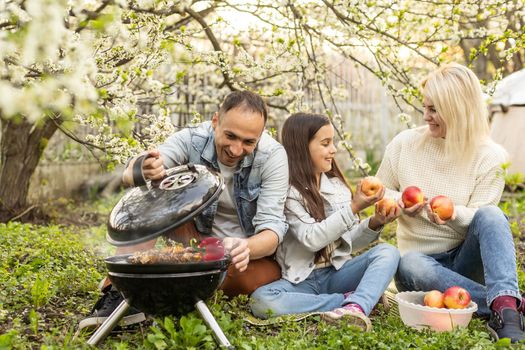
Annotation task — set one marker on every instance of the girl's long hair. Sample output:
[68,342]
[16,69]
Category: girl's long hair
[456,94]
[298,130]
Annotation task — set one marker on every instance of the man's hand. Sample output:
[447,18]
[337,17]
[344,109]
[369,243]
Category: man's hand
[362,201]
[238,250]
[153,166]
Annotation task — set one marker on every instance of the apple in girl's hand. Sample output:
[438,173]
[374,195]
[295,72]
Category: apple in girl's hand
[434,298]
[371,185]
[442,206]
[456,298]
[386,204]
[411,196]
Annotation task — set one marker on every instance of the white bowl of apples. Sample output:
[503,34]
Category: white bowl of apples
[435,310]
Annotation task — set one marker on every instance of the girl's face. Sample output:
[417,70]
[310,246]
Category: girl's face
[322,149]
[436,125]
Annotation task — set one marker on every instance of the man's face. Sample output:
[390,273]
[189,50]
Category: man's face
[236,134]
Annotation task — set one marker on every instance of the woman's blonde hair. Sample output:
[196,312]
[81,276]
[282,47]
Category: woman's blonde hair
[456,94]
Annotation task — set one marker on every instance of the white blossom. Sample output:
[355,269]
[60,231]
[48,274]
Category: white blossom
[120,70]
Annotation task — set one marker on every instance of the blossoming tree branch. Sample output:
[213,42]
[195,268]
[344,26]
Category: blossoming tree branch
[121,69]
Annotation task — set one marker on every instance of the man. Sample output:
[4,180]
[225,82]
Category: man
[248,215]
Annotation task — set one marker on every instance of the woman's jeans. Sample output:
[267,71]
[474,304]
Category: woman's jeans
[367,275]
[484,264]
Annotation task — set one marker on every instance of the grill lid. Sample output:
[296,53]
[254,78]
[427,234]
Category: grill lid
[148,211]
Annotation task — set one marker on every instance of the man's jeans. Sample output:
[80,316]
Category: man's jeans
[368,275]
[484,264]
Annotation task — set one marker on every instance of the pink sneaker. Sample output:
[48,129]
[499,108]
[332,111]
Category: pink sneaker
[351,313]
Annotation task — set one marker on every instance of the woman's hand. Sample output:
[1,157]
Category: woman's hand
[433,217]
[361,201]
[238,250]
[413,210]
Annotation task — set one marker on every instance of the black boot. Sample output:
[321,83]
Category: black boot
[106,305]
[508,323]
[521,304]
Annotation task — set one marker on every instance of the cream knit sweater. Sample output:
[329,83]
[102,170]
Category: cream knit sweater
[408,161]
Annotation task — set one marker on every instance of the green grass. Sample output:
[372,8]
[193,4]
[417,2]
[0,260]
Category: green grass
[49,277]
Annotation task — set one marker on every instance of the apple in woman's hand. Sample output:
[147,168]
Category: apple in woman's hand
[411,196]
[443,207]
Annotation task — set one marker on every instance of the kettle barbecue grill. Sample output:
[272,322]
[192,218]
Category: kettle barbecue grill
[146,212]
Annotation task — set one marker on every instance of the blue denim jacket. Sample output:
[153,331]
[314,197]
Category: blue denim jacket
[260,184]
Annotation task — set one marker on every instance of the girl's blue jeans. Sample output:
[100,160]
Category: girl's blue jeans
[367,275]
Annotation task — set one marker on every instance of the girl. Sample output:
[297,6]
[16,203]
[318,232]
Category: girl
[318,271]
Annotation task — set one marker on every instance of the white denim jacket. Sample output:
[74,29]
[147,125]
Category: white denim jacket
[306,236]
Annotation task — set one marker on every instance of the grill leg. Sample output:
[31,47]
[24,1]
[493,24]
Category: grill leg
[212,323]
[107,326]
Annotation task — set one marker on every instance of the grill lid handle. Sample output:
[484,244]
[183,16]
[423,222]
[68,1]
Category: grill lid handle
[138,176]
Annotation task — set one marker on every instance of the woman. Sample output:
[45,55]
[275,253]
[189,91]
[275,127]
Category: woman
[318,271]
[453,156]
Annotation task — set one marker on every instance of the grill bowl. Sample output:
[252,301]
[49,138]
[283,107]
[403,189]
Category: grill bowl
[416,315]
[119,263]
[166,289]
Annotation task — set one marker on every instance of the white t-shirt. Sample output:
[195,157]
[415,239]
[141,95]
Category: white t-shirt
[226,222]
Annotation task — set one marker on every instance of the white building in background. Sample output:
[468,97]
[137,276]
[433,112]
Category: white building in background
[508,118]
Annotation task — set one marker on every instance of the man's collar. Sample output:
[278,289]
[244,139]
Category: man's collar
[208,153]
[247,161]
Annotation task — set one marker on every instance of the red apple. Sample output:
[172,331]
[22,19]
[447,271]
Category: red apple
[371,185]
[442,206]
[456,298]
[434,298]
[412,195]
[386,204]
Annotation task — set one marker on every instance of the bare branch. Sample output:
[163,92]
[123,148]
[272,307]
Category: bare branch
[185,20]
[91,15]
[7,25]
[345,19]
[214,42]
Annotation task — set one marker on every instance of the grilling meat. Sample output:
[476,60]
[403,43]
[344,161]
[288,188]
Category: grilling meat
[171,254]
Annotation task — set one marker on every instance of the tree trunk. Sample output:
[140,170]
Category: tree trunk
[21,146]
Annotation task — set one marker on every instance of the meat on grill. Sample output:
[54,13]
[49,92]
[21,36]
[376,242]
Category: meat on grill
[170,254]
